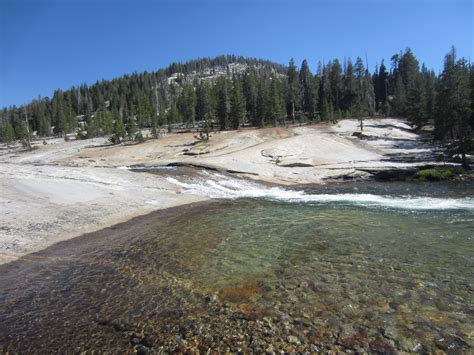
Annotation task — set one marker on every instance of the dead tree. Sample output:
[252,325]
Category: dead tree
[27,139]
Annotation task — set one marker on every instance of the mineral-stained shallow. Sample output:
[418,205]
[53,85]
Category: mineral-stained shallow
[255,275]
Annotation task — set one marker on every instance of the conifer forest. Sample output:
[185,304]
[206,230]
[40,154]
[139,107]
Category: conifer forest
[229,92]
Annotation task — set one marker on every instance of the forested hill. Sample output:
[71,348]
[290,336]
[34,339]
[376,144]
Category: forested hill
[229,91]
[141,96]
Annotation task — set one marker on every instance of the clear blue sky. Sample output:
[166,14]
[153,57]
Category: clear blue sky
[49,44]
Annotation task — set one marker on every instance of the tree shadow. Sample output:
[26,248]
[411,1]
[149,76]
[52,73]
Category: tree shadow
[409,130]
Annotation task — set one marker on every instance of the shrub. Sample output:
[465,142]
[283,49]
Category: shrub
[433,174]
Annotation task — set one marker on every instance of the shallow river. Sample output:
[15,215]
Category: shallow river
[377,267]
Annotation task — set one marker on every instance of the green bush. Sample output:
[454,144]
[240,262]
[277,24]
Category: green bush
[433,174]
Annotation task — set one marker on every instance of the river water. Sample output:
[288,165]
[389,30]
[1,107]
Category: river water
[369,266]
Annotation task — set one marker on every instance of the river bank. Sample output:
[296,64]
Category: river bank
[64,189]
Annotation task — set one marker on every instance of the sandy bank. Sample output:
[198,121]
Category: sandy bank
[64,189]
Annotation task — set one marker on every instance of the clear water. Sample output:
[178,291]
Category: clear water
[352,267]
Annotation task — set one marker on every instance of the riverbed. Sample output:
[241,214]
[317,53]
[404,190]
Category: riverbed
[361,266]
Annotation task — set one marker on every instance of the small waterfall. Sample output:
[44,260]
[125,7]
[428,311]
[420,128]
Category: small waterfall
[215,185]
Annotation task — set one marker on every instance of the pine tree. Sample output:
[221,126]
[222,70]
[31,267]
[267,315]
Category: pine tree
[369,93]
[454,103]
[91,126]
[187,105]
[326,113]
[70,115]
[206,127]
[365,96]
[202,101]
[315,94]
[237,105]
[44,124]
[444,123]
[429,84]
[249,89]
[359,70]
[416,103]
[132,128]
[262,105]
[324,92]
[409,70]
[162,119]
[275,107]
[107,126]
[59,114]
[293,90]
[172,116]
[381,87]
[119,129]
[335,82]
[350,88]
[462,114]
[24,130]
[405,70]
[306,82]
[399,97]
[223,105]
[7,134]
[155,126]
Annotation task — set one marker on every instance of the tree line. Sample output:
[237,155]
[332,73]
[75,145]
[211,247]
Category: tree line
[229,91]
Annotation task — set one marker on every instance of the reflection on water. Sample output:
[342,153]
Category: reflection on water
[256,275]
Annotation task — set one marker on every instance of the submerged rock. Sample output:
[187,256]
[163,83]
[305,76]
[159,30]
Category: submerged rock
[380,346]
[211,299]
[451,343]
[293,340]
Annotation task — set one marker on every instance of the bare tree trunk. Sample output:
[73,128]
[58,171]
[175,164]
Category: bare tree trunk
[27,139]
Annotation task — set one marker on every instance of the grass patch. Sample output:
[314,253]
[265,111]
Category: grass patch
[434,174]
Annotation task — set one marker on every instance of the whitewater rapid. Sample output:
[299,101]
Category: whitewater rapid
[218,186]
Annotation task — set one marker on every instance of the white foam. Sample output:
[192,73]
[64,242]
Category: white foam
[220,186]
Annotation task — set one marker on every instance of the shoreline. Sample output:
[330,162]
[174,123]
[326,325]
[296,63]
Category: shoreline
[81,243]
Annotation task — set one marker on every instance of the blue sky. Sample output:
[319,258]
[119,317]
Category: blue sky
[49,44]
